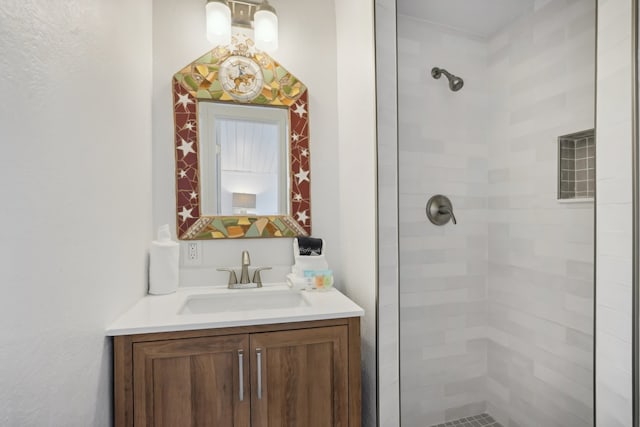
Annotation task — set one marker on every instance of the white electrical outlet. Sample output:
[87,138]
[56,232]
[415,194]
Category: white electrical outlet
[192,254]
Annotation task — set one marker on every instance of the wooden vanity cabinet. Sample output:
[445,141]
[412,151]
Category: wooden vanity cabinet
[301,378]
[302,374]
[192,381]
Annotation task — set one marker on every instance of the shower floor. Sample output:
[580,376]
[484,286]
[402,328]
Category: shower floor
[482,420]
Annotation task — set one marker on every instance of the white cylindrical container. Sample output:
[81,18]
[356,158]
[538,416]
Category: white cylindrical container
[164,257]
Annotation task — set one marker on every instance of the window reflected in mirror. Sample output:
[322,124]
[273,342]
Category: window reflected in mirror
[245,159]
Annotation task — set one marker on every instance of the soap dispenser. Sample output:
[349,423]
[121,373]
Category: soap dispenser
[163,263]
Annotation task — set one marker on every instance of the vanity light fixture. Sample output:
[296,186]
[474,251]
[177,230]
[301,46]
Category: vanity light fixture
[265,26]
[256,14]
[218,22]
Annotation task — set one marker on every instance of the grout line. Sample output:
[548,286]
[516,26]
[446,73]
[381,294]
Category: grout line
[483,420]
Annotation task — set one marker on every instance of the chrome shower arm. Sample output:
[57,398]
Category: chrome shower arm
[455,82]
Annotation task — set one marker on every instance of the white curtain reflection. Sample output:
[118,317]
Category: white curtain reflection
[249,156]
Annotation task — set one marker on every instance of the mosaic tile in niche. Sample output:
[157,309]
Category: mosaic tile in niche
[576,165]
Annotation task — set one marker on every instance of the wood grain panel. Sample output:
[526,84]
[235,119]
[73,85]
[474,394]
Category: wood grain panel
[171,392]
[355,373]
[320,385]
[285,385]
[191,382]
[122,381]
[211,351]
[304,377]
[213,397]
[237,330]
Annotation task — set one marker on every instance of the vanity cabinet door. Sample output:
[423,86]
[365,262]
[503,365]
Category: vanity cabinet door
[300,378]
[192,382]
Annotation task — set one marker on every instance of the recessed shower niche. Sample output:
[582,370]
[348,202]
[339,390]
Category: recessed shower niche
[577,166]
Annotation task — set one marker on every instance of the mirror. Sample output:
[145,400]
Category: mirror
[244,161]
[242,146]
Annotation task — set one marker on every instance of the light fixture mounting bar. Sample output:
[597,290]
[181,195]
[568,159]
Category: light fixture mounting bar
[242,12]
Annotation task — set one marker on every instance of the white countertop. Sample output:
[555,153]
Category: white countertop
[161,313]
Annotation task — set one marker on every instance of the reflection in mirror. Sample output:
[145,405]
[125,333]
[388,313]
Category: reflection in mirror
[244,163]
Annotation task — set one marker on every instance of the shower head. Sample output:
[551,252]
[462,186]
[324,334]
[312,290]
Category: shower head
[455,82]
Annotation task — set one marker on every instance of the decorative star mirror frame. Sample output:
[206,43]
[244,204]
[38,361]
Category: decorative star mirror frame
[201,81]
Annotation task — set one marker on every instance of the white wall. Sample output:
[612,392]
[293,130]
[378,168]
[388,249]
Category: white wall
[614,215]
[357,174]
[307,49]
[75,181]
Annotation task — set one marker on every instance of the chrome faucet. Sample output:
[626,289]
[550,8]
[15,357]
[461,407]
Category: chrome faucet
[244,273]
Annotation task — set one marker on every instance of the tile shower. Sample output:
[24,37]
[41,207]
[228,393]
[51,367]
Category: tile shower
[496,313]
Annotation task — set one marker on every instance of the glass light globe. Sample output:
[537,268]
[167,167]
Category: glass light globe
[265,25]
[218,22]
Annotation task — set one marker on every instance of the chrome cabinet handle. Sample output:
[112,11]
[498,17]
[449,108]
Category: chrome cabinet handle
[241,373]
[259,356]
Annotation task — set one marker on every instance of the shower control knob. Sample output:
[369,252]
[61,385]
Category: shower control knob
[439,210]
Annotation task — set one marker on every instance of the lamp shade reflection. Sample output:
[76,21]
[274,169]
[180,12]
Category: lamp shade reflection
[242,202]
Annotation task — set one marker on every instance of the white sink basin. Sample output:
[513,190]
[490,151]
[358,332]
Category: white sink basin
[206,307]
[243,300]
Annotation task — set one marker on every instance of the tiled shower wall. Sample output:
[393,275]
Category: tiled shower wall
[541,73]
[443,270]
[496,312]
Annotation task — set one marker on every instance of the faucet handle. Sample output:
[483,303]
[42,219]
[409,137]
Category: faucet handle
[446,210]
[233,279]
[256,275]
